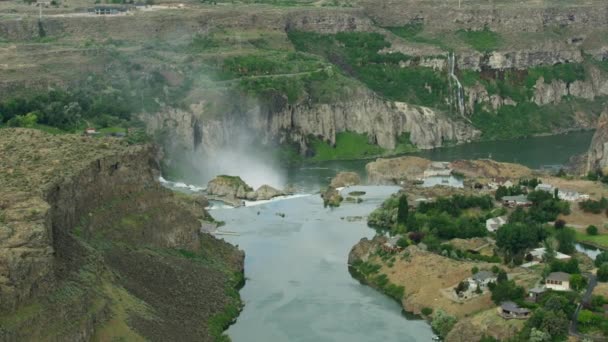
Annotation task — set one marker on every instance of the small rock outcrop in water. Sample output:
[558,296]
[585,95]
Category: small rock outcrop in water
[264,192]
[231,188]
[597,157]
[331,197]
[391,171]
[343,179]
[228,186]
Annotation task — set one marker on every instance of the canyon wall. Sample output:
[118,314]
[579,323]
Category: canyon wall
[80,218]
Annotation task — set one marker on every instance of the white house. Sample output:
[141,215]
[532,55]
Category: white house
[568,195]
[482,279]
[558,281]
[494,223]
[544,187]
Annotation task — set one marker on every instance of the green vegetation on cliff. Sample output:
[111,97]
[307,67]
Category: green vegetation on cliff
[350,145]
[358,55]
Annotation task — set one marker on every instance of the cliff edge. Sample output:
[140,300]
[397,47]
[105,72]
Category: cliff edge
[93,248]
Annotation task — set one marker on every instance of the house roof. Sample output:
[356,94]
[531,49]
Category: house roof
[512,307]
[518,198]
[483,275]
[544,187]
[540,252]
[561,276]
[537,290]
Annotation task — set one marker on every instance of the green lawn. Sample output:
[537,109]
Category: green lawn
[350,145]
[599,240]
[482,41]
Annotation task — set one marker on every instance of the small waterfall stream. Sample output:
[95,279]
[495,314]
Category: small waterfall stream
[459,88]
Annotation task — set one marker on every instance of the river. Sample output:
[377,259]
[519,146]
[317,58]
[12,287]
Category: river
[533,152]
[298,287]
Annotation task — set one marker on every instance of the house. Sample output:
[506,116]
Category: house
[510,310]
[90,131]
[494,223]
[107,10]
[558,281]
[534,294]
[516,201]
[500,181]
[568,195]
[544,187]
[539,253]
[482,278]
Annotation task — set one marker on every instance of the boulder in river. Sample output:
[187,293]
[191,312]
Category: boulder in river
[395,170]
[343,179]
[228,186]
[331,197]
[264,192]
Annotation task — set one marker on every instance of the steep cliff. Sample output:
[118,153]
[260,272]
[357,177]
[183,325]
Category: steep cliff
[597,157]
[382,121]
[93,247]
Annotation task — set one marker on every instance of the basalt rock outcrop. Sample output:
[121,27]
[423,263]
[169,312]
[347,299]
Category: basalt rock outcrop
[233,188]
[597,156]
[394,170]
[383,122]
[92,247]
[343,179]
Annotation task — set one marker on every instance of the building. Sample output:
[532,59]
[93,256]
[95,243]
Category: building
[510,310]
[544,187]
[482,279]
[568,195]
[107,10]
[500,181]
[558,281]
[539,253]
[516,201]
[90,131]
[535,294]
[494,223]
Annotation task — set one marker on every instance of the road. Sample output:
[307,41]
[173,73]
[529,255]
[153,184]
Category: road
[592,282]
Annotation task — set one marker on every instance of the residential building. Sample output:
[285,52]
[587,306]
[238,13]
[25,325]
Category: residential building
[568,195]
[534,294]
[391,244]
[510,310]
[494,223]
[482,279]
[544,187]
[516,201]
[558,281]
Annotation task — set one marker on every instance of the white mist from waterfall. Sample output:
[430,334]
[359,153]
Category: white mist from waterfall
[459,88]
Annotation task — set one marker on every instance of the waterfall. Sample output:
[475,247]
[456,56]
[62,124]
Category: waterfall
[459,88]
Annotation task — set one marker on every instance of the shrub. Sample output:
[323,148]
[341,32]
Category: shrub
[559,224]
[602,273]
[426,311]
[592,230]
[474,270]
[443,323]
[601,258]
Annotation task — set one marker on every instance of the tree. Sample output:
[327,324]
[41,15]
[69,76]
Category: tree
[495,269]
[501,192]
[556,193]
[577,282]
[592,230]
[462,287]
[474,270]
[602,273]
[553,323]
[539,336]
[585,317]
[402,210]
[515,238]
[601,258]
[28,120]
[559,224]
[506,290]
[442,322]
[566,239]
[501,276]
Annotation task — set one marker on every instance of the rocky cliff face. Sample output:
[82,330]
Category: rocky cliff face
[88,233]
[597,157]
[364,112]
